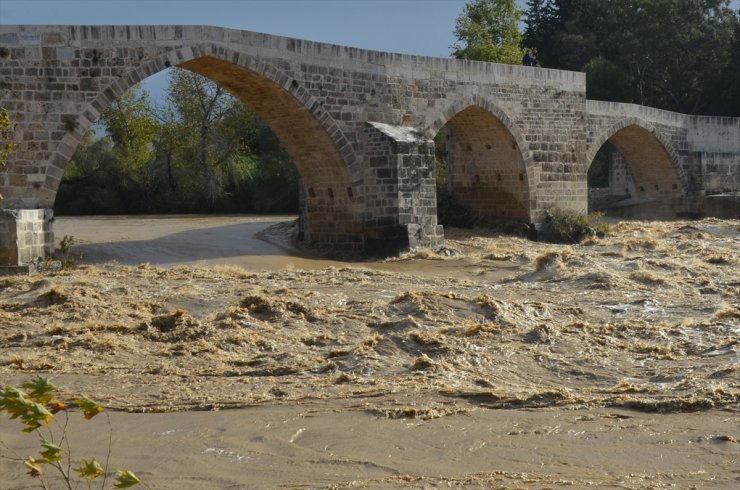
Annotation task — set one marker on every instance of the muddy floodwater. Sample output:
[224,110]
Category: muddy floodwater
[228,359]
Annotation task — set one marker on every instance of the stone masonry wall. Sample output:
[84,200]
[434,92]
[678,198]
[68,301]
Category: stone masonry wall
[400,186]
[715,149]
[25,235]
[703,151]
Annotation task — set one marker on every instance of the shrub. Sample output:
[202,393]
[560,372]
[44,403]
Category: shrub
[563,226]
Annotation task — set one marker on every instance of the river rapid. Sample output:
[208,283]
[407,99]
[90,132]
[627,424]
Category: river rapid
[497,363]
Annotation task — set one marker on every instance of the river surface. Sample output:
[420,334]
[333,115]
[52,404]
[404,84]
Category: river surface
[229,359]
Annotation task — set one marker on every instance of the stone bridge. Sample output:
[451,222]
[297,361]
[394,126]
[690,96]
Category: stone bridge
[359,126]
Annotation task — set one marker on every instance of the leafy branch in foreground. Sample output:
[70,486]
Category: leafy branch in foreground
[36,408]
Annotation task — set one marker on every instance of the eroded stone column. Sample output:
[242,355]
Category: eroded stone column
[25,235]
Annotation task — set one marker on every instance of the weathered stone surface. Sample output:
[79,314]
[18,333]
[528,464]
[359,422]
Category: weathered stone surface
[25,235]
[359,125]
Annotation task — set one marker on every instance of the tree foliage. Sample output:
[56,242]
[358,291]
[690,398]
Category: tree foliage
[200,151]
[679,55]
[131,126]
[488,30]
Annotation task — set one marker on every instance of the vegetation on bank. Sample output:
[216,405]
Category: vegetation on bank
[6,139]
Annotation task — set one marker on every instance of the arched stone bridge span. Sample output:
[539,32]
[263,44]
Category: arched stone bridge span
[358,124]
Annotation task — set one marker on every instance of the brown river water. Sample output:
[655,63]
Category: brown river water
[226,358]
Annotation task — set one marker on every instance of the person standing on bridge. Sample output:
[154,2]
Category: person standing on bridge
[529,59]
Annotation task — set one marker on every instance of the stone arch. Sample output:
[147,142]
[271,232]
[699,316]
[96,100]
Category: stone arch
[488,172]
[651,158]
[326,160]
[195,58]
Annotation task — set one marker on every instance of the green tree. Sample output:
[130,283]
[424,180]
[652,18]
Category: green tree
[211,127]
[214,153]
[488,30]
[6,137]
[97,182]
[541,20]
[130,123]
[607,81]
[676,62]
[676,54]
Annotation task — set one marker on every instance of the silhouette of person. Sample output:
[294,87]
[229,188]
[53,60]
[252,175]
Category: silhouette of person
[529,59]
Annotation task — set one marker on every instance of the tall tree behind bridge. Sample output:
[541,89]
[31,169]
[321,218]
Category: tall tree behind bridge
[673,54]
[488,30]
[541,21]
[217,154]
[131,125]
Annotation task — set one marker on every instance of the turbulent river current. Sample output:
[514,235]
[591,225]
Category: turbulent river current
[497,363]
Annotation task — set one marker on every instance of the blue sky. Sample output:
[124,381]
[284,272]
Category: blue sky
[410,26]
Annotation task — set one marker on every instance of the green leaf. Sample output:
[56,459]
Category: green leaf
[89,408]
[13,401]
[89,469]
[40,389]
[35,417]
[52,453]
[125,479]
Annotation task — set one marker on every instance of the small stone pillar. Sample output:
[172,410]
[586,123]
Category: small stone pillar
[25,235]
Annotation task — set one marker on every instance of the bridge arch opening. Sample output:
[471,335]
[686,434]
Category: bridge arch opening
[330,196]
[179,144]
[631,166]
[481,174]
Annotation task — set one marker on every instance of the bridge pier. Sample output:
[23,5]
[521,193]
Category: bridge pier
[400,190]
[25,235]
